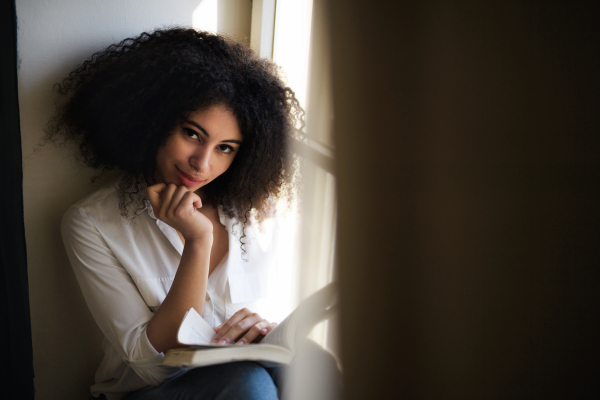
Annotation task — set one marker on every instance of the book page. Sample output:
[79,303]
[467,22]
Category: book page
[280,336]
[317,307]
[194,330]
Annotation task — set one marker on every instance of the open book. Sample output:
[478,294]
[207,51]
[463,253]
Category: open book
[276,348]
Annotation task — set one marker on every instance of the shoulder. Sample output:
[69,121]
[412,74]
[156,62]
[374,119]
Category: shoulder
[101,205]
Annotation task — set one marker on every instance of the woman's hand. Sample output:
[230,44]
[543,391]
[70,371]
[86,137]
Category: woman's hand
[244,324]
[177,206]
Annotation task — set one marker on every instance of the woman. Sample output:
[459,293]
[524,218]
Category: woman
[200,128]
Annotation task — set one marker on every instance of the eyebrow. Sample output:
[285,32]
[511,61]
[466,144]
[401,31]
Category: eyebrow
[198,126]
[207,135]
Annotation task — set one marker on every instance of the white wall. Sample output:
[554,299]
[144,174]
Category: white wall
[53,37]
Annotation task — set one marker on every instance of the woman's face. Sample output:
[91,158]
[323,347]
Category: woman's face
[200,149]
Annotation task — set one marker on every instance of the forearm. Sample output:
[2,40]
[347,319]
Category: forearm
[188,290]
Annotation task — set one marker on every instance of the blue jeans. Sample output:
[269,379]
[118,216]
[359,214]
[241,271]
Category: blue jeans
[248,380]
[239,380]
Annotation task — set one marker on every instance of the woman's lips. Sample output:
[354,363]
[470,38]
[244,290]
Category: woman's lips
[188,180]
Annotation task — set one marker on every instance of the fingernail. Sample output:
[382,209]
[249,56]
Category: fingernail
[223,341]
[265,331]
[241,342]
[214,341]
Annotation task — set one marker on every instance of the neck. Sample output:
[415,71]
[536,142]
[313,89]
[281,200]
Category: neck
[200,192]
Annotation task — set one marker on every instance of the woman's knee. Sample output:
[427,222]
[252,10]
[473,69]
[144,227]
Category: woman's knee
[248,380]
[233,381]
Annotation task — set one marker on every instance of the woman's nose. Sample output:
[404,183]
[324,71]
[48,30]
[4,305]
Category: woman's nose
[201,161]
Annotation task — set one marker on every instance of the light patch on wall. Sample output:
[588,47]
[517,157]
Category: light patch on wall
[292,43]
[205,16]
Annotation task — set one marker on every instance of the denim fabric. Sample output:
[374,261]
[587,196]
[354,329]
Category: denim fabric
[249,380]
[240,380]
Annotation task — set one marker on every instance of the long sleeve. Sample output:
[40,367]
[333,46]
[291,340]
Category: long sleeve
[112,297]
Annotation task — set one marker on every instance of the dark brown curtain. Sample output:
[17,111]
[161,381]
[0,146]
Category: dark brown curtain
[16,368]
[468,166]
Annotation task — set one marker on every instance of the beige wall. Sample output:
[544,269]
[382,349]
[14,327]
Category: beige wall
[53,36]
[469,219]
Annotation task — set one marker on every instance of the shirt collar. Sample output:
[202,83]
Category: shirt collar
[149,208]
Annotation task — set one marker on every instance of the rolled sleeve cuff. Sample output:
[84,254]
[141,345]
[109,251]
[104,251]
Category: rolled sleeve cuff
[146,365]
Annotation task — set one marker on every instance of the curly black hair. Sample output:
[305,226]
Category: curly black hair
[121,105]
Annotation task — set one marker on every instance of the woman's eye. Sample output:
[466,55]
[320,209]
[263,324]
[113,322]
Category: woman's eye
[191,133]
[226,148]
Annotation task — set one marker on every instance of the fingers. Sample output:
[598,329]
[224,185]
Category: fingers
[177,204]
[171,202]
[154,193]
[257,332]
[243,322]
[178,207]
[166,197]
[162,194]
[196,201]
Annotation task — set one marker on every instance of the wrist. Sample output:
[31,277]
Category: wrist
[200,242]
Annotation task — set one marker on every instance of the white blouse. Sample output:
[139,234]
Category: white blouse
[125,270]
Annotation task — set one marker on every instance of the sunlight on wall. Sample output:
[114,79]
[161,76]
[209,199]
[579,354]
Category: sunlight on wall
[282,285]
[291,52]
[292,43]
[205,16]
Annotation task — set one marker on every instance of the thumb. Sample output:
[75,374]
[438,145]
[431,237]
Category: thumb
[197,202]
